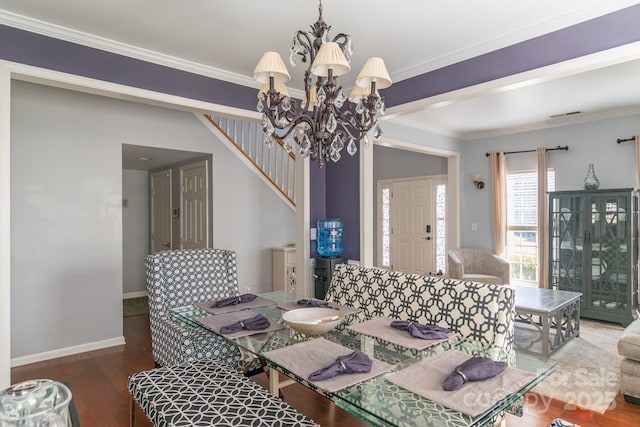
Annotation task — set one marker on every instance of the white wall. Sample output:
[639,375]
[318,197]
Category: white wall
[593,142]
[66,194]
[135,230]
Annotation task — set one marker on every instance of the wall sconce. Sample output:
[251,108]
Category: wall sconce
[477,181]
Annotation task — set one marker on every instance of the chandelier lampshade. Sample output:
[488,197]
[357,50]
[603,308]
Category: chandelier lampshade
[326,120]
[330,57]
[374,71]
[271,65]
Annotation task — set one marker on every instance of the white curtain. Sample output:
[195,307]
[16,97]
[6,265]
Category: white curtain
[499,194]
[543,219]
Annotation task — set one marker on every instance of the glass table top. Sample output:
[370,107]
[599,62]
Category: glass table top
[377,400]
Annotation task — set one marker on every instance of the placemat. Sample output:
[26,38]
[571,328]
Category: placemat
[380,327]
[306,357]
[215,322]
[293,305]
[427,378]
[258,302]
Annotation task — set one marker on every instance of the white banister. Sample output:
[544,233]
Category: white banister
[274,163]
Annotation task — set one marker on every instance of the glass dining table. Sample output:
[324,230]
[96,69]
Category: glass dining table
[376,400]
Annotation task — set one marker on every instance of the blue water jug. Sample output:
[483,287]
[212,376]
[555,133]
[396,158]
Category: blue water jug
[330,237]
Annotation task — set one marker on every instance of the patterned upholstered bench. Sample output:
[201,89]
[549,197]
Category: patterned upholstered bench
[479,311]
[206,393]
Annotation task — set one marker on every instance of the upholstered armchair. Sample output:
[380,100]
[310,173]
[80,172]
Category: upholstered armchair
[182,277]
[477,265]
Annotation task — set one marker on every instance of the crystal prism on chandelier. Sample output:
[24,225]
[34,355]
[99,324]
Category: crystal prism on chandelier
[326,120]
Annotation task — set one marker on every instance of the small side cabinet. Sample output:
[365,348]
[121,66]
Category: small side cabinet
[284,268]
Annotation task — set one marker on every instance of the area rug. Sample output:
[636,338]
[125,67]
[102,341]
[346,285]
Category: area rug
[588,369]
[135,306]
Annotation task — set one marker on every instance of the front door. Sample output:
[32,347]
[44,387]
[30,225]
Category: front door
[194,203]
[413,227]
[161,211]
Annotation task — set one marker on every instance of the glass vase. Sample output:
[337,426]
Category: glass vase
[591,181]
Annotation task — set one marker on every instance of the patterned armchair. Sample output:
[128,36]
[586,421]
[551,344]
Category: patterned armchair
[181,277]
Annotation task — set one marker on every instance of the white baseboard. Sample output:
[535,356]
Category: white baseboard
[138,294]
[68,351]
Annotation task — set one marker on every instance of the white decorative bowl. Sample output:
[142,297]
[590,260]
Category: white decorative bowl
[312,320]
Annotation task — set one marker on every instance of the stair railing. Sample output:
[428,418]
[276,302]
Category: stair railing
[275,163]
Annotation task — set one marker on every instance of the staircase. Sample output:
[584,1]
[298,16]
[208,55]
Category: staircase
[276,164]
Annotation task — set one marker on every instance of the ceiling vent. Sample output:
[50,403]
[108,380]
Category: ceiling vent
[572,113]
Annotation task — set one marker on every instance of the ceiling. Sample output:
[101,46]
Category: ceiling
[136,157]
[225,40]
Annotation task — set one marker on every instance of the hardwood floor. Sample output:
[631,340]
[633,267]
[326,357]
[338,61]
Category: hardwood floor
[99,384]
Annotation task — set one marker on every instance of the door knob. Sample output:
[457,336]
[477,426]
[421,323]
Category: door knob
[167,245]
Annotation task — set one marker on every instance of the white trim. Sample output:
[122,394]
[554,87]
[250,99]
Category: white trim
[366,203]
[5,227]
[114,90]
[137,294]
[67,351]
[304,287]
[593,10]
[418,148]
[90,40]
[236,152]
[582,64]
[552,123]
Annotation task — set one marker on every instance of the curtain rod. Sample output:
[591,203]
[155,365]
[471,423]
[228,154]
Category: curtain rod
[633,138]
[565,148]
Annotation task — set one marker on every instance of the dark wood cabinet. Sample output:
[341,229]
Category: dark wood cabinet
[594,250]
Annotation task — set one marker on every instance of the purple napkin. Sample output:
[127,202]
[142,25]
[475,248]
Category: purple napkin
[234,300]
[474,369]
[314,303]
[251,324]
[348,364]
[425,332]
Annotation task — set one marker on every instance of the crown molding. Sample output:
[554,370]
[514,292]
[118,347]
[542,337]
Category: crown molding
[63,33]
[591,11]
[553,123]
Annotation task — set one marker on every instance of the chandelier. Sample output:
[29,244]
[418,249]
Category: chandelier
[326,119]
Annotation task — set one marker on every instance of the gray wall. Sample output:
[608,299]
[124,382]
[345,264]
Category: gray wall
[135,229]
[593,142]
[67,223]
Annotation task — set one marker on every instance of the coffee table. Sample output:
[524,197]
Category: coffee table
[545,319]
[377,400]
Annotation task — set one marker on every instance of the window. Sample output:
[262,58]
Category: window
[386,227]
[522,223]
[441,227]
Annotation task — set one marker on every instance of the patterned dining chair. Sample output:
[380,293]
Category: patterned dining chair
[182,277]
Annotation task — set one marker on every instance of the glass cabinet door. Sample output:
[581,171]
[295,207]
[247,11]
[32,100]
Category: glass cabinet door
[608,245]
[567,242]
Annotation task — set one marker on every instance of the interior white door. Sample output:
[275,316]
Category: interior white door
[194,206]
[161,211]
[413,227]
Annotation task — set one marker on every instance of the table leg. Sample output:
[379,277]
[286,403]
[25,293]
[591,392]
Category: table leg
[274,381]
[545,336]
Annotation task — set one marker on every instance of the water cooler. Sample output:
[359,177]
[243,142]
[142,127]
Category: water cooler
[330,247]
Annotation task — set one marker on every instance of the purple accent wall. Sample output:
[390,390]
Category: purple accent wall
[343,200]
[598,34]
[50,53]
